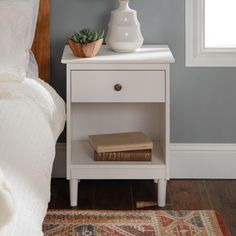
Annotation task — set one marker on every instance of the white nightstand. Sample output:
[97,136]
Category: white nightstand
[95,104]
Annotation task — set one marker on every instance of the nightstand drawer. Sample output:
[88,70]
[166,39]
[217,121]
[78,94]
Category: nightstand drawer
[118,86]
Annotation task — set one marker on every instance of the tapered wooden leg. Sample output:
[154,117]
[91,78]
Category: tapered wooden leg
[161,192]
[74,192]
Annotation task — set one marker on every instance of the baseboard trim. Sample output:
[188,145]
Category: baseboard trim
[188,161]
[203,161]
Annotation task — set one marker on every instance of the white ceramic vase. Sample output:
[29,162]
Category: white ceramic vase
[124,33]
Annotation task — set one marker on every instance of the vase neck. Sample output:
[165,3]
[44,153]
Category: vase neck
[124,5]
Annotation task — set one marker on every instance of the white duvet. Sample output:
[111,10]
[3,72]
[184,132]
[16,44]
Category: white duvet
[32,116]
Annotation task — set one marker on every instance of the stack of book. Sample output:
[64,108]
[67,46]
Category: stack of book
[133,146]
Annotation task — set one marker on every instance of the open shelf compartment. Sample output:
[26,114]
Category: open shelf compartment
[82,160]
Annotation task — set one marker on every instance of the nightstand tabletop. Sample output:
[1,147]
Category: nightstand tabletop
[159,54]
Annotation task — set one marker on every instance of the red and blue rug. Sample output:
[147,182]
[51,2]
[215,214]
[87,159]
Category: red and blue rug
[134,223]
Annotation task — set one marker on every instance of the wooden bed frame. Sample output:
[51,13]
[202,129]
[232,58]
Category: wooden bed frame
[41,45]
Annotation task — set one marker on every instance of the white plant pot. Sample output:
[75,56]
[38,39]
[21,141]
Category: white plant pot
[124,33]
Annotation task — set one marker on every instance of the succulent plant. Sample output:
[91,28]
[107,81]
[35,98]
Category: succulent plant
[87,35]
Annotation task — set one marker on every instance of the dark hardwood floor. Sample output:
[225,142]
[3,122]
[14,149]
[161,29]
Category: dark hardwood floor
[219,195]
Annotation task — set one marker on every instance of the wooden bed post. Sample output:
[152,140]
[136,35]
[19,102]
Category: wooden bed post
[41,45]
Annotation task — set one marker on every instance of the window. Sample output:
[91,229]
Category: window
[210,33]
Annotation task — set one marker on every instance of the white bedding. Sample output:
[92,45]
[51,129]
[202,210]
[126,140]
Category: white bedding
[6,201]
[32,116]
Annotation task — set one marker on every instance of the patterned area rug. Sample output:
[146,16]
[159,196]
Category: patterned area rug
[134,223]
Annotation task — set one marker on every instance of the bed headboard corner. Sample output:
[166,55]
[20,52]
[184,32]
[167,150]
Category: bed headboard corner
[41,45]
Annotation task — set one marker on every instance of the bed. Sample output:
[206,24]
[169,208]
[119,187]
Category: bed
[32,116]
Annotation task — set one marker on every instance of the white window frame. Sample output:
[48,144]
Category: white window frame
[196,54]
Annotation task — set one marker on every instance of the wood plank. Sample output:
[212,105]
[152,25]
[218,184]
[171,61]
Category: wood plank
[144,193]
[112,195]
[52,203]
[86,195]
[145,196]
[188,195]
[60,194]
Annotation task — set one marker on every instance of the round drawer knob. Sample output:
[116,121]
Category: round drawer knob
[118,87]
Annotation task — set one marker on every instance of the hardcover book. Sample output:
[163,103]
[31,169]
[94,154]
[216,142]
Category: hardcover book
[119,142]
[138,155]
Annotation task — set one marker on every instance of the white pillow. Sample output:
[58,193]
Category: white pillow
[15,37]
[32,70]
[34,19]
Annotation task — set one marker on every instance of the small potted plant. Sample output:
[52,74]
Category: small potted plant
[86,43]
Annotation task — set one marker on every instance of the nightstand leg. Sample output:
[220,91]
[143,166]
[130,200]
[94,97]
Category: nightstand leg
[161,192]
[74,192]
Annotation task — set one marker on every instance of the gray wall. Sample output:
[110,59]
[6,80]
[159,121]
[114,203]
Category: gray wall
[203,100]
